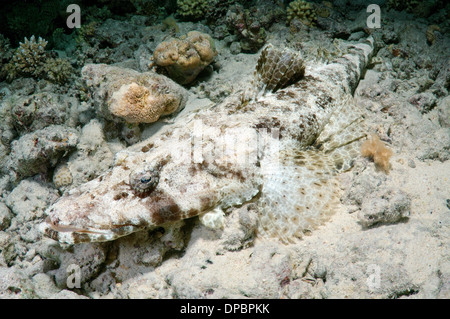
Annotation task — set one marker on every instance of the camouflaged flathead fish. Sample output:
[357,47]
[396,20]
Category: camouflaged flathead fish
[279,146]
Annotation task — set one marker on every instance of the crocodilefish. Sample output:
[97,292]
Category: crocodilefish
[279,146]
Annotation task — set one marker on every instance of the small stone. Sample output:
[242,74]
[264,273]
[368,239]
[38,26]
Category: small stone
[5,216]
[67,294]
[425,102]
[444,112]
[390,207]
[235,48]
[29,200]
[34,152]
[44,285]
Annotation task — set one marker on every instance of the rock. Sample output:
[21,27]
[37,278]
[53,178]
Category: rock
[425,102]
[88,259]
[44,285]
[267,268]
[35,152]
[435,145]
[13,284]
[40,110]
[147,286]
[67,294]
[444,112]
[356,36]
[147,249]
[388,207]
[240,229]
[362,186]
[235,48]
[5,216]
[9,254]
[93,155]
[29,200]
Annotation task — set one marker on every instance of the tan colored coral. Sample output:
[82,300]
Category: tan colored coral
[186,57]
[375,149]
[139,104]
[136,97]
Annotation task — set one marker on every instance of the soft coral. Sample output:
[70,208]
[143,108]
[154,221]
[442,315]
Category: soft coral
[376,150]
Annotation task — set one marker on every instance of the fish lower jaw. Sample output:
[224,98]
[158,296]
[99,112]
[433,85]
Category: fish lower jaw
[73,235]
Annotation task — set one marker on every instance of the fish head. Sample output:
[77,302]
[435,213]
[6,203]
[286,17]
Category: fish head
[142,191]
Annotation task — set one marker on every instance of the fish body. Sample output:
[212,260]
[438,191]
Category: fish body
[281,151]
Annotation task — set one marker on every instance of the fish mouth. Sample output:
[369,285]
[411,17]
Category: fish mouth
[71,229]
[75,235]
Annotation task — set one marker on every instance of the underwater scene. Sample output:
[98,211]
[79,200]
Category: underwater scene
[224,149]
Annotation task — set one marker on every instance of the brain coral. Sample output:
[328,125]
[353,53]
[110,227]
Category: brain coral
[186,57]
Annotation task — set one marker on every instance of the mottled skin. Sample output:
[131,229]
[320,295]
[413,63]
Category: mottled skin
[216,158]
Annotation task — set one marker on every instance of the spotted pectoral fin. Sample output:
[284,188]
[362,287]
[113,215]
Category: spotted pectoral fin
[299,193]
[340,138]
[300,190]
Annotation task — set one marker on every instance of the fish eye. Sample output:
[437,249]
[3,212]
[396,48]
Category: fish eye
[145,180]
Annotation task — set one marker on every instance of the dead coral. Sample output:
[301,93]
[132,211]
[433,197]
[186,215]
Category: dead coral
[249,25]
[374,149]
[192,8]
[57,70]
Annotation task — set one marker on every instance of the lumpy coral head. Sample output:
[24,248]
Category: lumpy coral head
[139,104]
[186,57]
[136,97]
